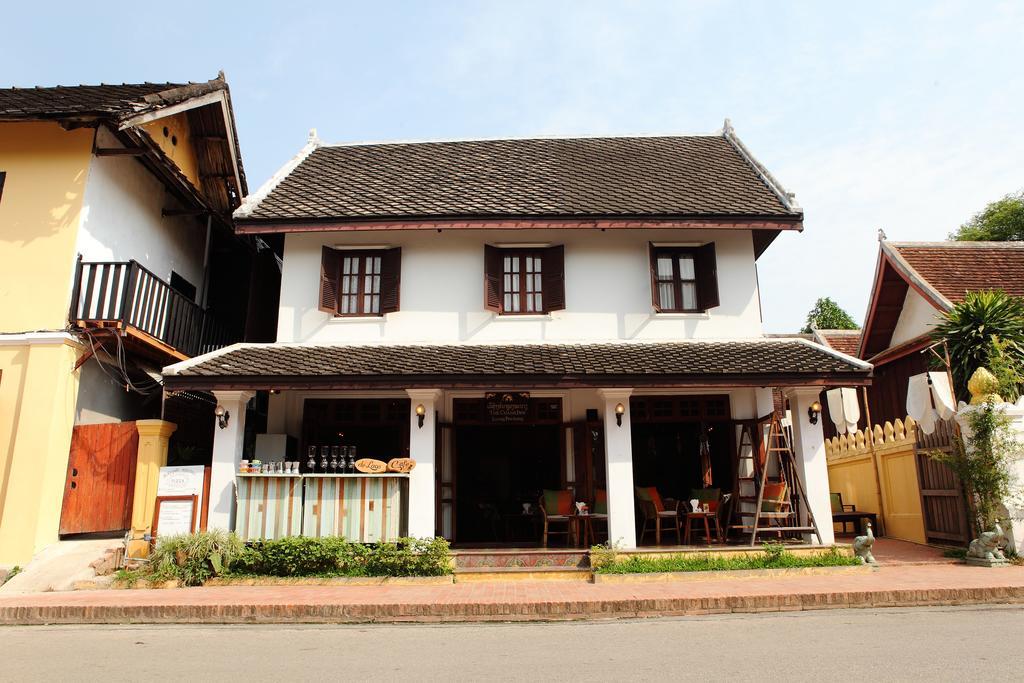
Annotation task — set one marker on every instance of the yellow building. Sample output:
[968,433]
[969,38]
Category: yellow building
[115,244]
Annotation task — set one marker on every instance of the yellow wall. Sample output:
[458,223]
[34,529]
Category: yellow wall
[183,154]
[39,216]
[37,409]
[851,472]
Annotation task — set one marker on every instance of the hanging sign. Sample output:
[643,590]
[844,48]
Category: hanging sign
[507,406]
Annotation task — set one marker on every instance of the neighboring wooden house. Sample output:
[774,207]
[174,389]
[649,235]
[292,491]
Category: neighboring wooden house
[565,314]
[117,256]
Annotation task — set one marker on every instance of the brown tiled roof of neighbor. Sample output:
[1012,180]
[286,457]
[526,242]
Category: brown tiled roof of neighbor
[693,359]
[95,100]
[955,268]
[843,341]
[667,177]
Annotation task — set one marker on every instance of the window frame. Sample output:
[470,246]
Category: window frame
[677,281]
[360,255]
[537,253]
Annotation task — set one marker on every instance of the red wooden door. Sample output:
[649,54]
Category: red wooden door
[100,482]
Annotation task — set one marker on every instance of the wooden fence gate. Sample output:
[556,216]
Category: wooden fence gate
[942,495]
[100,482]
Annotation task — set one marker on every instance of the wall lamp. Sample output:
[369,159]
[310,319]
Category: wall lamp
[421,413]
[813,411]
[222,416]
[619,411]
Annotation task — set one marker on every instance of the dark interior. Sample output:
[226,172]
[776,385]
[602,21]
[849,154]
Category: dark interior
[497,469]
[378,429]
[666,455]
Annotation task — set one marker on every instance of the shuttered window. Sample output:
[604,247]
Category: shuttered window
[524,281]
[684,279]
[360,283]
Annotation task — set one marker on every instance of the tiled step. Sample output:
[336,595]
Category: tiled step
[523,574]
[521,559]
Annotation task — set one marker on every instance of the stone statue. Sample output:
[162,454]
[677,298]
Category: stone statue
[862,547]
[987,549]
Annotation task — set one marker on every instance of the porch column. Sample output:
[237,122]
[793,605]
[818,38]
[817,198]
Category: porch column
[227,452]
[422,440]
[618,458]
[809,449]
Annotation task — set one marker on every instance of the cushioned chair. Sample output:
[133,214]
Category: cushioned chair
[556,509]
[654,511]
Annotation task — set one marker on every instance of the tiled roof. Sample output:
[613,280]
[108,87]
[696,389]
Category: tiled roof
[843,341]
[955,268]
[762,357]
[78,100]
[687,176]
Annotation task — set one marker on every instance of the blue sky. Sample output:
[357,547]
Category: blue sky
[901,115]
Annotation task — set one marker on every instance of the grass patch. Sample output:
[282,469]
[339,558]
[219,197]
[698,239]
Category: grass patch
[774,556]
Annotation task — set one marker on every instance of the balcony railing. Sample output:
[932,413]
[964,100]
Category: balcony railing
[127,295]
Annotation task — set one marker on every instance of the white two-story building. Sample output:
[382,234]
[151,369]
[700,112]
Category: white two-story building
[523,316]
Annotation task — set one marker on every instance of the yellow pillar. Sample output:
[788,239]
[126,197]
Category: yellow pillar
[153,438]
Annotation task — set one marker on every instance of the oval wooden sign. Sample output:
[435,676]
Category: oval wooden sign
[403,465]
[371,466]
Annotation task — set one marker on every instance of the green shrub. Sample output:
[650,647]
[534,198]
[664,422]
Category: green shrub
[774,556]
[334,556]
[193,558]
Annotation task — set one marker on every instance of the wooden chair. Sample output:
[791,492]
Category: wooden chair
[716,504]
[838,508]
[599,513]
[560,505]
[654,511]
[775,503]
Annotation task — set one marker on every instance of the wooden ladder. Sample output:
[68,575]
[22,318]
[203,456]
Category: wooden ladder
[786,519]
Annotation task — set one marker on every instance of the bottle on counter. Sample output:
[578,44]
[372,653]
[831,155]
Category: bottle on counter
[311,462]
[325,454]
[335,450]
[351,466]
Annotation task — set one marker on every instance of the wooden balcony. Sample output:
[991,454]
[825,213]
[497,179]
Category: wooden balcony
[127,297]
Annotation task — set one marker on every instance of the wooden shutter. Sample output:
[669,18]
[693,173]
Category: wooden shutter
[492,278]
[390,280]
[655,294]
[706,269]
[330,262]
[553,278]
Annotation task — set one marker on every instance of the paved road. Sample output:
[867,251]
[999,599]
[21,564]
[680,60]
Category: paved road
[891,644]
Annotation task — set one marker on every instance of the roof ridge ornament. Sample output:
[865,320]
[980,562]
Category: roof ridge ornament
[881,235]
[788,199]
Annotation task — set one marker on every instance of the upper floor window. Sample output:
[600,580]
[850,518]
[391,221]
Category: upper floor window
[684,279]
[524,281]
[360,282]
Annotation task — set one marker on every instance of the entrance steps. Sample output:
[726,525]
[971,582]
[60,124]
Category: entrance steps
[522,564]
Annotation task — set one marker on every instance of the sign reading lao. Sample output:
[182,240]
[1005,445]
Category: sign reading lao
[507,406]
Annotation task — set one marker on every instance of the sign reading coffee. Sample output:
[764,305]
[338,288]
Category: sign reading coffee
[507,406]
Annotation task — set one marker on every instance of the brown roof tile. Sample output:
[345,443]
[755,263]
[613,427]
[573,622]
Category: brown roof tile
[689,176]
[843,341]
[95,100]
[955,268]
[370,363]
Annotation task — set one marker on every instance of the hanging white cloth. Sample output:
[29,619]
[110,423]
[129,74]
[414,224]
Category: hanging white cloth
[919,402]
[834,398]
[943,395]
[851,409]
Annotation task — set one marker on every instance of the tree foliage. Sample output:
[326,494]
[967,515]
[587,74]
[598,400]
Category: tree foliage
[986,329]
[1000,221]
[827,315]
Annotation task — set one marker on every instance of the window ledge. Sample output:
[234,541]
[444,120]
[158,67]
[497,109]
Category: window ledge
[521,316]
[356,319]
[683,316]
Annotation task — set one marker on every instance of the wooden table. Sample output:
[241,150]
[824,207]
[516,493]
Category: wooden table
[858,520]
[690,517]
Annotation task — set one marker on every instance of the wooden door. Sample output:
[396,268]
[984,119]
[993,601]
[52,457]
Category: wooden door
[444,472]
[943,503]
[100,481]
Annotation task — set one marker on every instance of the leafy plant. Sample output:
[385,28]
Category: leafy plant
[827,315]
[193,558]
[1000,221]
[986,326]
[603,555]
[334,556]
[774,556]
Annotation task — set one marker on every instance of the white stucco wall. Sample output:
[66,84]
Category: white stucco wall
[917,317]
[121,220]
[607,289]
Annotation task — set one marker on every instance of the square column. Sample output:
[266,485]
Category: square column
[812,467]
[618,457]
[422,446]
[152,455]
[227,452]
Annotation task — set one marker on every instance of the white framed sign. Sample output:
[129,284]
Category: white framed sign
[185,480]
[175,515]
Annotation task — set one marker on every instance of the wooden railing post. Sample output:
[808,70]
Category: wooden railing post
[128,296]
[76,291]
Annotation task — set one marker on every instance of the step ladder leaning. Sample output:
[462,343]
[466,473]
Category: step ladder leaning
[778,447]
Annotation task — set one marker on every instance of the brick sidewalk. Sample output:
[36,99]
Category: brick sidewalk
[889,586]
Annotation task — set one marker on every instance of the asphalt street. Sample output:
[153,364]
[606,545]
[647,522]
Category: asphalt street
[890,644]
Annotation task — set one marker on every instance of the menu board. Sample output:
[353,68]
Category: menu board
[174,515]
[182,481]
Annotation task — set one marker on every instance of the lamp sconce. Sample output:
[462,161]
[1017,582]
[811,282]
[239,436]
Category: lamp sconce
[619,411]
[813,411]
[223,416]
[421,413]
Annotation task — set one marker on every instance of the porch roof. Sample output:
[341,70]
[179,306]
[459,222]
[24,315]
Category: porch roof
[748,362]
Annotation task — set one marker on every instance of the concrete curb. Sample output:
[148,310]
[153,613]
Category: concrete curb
[556,610]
